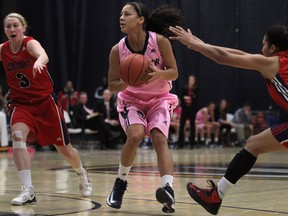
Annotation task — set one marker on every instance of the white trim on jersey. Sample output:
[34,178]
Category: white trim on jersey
[280,88]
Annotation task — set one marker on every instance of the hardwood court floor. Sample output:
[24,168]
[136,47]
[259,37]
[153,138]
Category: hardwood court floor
[261,193]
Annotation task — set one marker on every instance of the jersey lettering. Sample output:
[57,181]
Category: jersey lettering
[18,65]
[156,61]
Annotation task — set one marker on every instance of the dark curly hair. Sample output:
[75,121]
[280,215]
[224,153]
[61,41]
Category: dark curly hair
[278,35]
[160,19]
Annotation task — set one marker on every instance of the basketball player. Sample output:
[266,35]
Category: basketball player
[36,115]
[146,109]
[273,65]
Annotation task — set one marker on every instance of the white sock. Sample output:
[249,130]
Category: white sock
[25,177]
[80,169]
[167,179]
[223,186]
[123,171]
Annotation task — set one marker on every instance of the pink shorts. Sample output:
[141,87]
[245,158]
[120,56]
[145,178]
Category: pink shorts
[200,125]
[155,113]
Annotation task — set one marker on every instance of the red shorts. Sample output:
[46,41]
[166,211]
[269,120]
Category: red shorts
[280,132]
[45,121]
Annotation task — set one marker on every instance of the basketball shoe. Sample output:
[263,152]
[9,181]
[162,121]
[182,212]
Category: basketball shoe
[207,198]
[165,195]
[114,200]
[27,196]
[85,185]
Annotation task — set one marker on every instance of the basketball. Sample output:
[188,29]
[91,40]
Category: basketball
[134,69]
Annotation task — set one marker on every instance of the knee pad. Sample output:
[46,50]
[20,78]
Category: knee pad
[19,143]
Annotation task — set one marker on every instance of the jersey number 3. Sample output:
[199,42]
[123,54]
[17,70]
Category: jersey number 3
[24,81]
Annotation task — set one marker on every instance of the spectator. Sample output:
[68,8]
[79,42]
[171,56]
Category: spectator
[243,123]
[225,125]
[189,108]
[205,123]
[107,108]
[100,89]
[68,97]
[175,126]
[259,122]
[85,117]
[3,118]
[3,100]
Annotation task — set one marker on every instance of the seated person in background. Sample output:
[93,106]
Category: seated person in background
[98,95]
[259,122]
[3,100]
[225,125]
[68,97]
[243,122]
[85,117]
[3,118]
[205,123]
[175,126]
[107,108]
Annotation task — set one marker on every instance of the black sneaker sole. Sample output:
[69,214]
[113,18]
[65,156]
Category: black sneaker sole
[164,198]
[200,201]
[111,204]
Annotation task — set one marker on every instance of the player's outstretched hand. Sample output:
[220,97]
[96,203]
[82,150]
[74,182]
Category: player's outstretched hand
[38,67]
[185,37]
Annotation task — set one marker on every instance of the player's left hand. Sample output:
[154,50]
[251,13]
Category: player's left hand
[154,71]
[38,67]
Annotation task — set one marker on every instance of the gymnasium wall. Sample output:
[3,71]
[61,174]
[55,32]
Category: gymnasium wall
[78,36]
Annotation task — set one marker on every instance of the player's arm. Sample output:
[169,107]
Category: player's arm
[36,50]
[267,66]
[234,51]
[171,71]
[115,83]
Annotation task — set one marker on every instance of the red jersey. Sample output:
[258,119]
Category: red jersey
[278,86]
[19,73]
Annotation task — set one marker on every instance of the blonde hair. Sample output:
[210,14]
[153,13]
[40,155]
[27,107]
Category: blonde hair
[18,16]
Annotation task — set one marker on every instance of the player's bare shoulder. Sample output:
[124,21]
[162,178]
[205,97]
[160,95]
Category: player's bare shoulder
[161,38]
[163,44]
[115,48]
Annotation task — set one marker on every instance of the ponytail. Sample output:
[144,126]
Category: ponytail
[162,17]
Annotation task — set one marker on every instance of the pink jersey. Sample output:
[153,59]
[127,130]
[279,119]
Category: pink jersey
[200,116]
[24,88]
[278,86]
[151,104]
[155,87]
